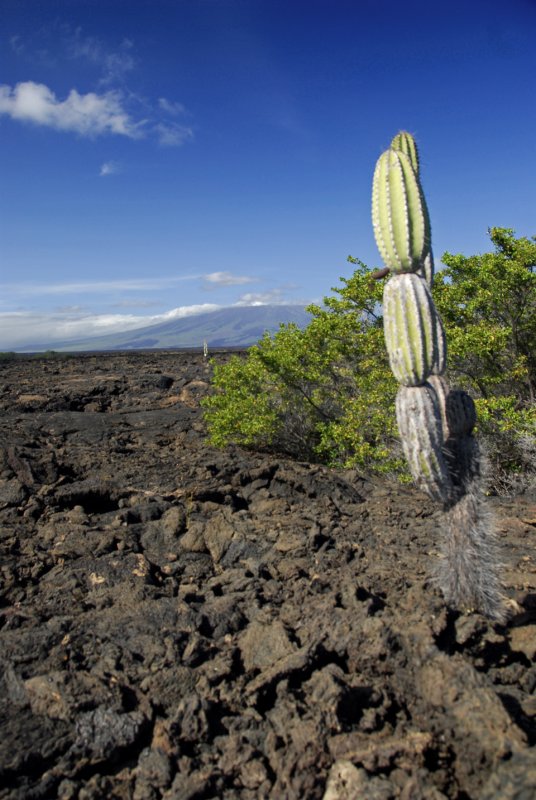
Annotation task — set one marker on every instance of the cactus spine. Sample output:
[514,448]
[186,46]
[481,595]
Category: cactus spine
[434,422]
[405,143]
[419,423]
[440,362]
[427,269]
[458,412]
[399,214]
[412,329]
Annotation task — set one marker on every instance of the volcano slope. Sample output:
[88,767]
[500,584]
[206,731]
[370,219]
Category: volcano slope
[182,622]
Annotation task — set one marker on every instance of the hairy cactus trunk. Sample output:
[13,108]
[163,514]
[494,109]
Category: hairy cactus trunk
[468,569]
[419,423]
[435,422]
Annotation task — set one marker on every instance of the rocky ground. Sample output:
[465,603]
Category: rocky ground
[185,623]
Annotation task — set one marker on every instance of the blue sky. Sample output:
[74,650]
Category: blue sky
[161,158]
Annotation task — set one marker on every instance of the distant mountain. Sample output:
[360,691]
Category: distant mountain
[238,326]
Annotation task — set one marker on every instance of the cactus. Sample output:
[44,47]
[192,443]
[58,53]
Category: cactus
[399,214]
[440,362]
[441,388]
[419,423]
[426,271]
[405,143]
[411,327]
[434,422]
[469,565]
[458,412]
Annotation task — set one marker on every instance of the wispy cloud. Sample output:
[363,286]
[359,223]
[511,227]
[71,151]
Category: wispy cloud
[216,279]
[171,134]
[114,63]
[76,309]
[109,168]
[271,297]
[171,107]
[86,114]
[60,41]
[136,304]
[19,329]
[32,329]
[113,108]
[17,44]
[156,283]
[95,287]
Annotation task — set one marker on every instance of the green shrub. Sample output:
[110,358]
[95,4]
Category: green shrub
[326,393]
[488,305]
[301,392]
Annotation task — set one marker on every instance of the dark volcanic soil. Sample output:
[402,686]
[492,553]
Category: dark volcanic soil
[181,622]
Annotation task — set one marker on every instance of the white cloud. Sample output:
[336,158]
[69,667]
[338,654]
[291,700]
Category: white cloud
[171,134]
[75,309]
[136,304]
[109,168]
[188,311]
[114,63]
[272,297]
[96,287]
[19,329]
[226,279]
[59,40]
[171,107]
[32,329]
[87,114]
[16,45]
[59,44]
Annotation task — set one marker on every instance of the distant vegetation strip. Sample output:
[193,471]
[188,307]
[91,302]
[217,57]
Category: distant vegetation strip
[56,355]
[10,355]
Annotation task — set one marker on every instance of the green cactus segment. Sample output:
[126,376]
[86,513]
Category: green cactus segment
[399,214]
[410,328]
[405,143]
[381,218]
[419,423]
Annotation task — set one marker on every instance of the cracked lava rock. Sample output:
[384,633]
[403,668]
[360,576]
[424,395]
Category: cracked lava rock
[188,623]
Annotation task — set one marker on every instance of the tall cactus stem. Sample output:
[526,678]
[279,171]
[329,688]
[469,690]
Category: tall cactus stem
[435,422]
[411,328]
[427,269]
[405,143]
[468,572]
[419,423]
[441,388]
[458,412]
[399,213]
[440,361]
